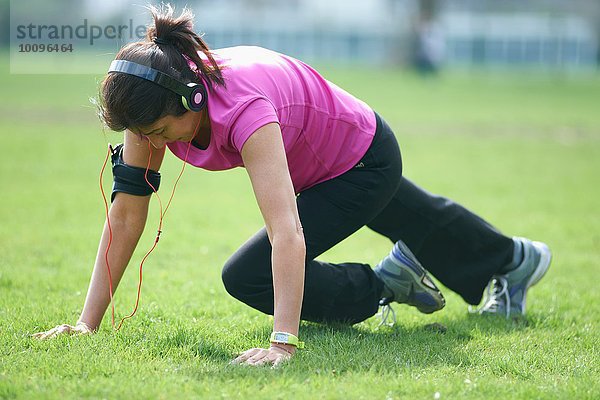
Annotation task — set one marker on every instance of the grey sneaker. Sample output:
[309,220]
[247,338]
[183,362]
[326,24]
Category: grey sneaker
[507,294]
[406,281]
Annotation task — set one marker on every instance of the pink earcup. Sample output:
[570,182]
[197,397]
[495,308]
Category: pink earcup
[198,98]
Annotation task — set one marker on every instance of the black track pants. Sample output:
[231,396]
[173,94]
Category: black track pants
[457,247]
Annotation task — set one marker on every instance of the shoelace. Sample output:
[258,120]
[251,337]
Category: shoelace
[385,313]
[497,294]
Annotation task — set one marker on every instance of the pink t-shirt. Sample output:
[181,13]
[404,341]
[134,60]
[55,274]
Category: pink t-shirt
[326,131]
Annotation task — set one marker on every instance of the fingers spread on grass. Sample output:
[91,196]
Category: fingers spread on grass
[257,359]
[44,335]
[245,355]
[57,330]
[277,358]
[272,356]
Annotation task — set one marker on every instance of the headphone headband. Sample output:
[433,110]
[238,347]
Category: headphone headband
[193,95]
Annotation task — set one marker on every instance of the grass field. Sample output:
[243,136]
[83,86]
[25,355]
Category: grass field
[521,150]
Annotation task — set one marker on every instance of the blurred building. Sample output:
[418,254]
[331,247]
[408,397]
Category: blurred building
[546,38]
[546,34]
[333,30]
[342,31]
[549,34]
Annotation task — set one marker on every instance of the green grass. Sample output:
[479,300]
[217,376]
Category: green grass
[521,150]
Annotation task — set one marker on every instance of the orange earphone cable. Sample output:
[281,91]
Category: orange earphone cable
[159,230]
[110,236]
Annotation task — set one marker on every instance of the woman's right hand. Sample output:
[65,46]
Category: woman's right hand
[80,328]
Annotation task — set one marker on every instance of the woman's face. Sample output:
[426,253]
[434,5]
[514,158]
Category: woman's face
[170,129]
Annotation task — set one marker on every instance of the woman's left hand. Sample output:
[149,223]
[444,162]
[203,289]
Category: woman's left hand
[275,355]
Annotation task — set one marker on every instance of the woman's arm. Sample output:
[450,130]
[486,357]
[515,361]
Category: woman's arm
[128,218]
[265,160]
[128,215]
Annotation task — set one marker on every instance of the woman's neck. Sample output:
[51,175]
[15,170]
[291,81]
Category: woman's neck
[202,136]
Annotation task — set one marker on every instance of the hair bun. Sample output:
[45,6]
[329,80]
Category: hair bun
[175,32]
[159,40]
[169,29]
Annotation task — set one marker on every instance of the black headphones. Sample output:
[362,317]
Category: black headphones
[193,95]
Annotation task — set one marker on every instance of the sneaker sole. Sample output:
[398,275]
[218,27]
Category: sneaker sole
[422,280]
[540,270]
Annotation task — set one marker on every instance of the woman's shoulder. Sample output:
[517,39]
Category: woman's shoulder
[244,51]
[246,58]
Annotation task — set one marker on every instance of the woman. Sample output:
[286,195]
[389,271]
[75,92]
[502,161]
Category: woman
[322,164]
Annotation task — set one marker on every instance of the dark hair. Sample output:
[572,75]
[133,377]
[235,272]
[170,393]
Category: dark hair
[129,101]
